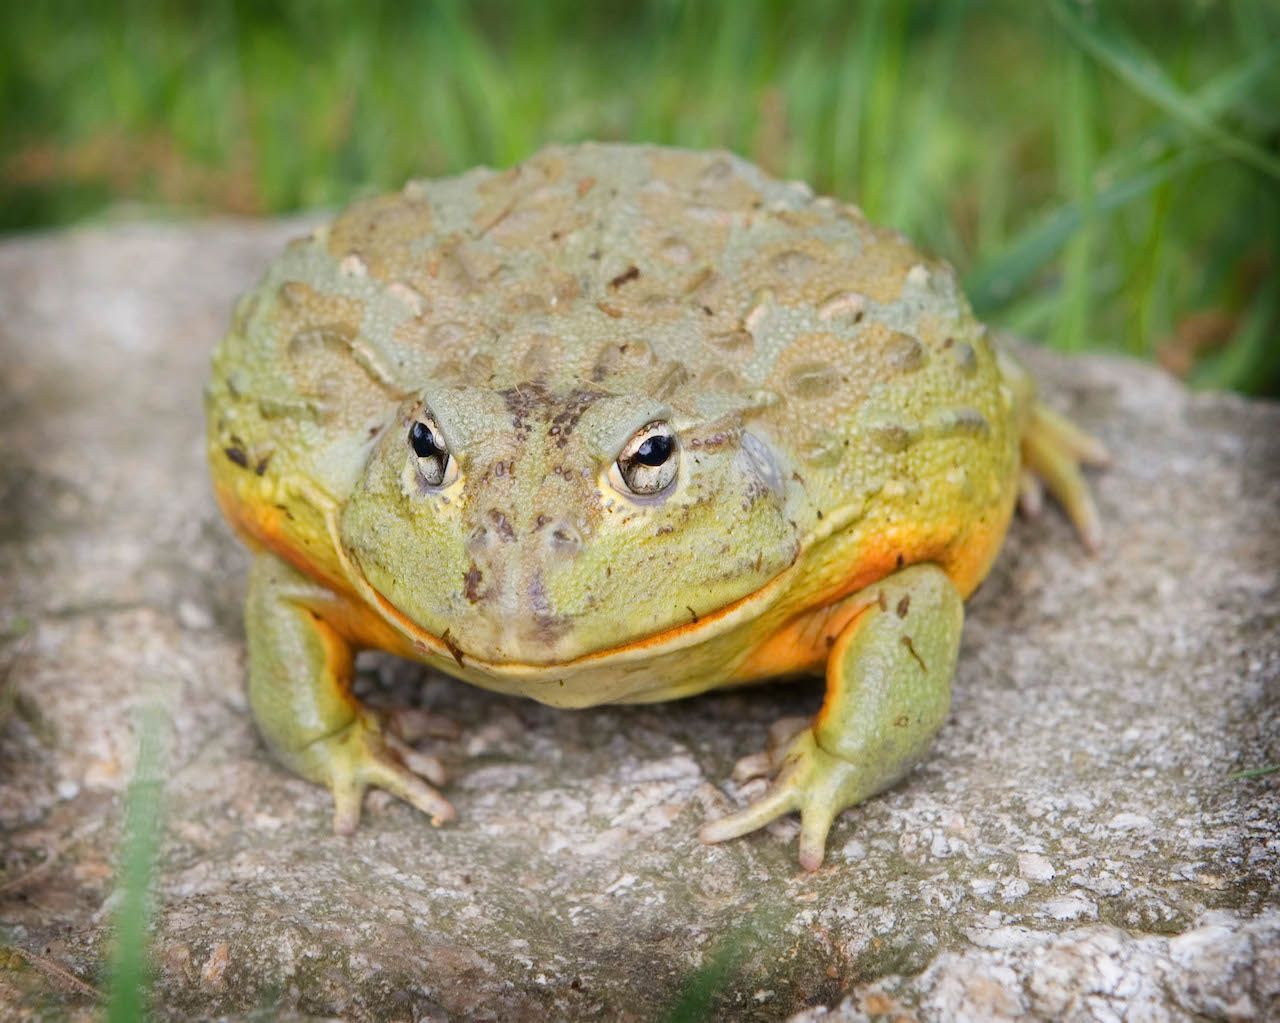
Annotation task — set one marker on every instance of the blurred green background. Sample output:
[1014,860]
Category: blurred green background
[1103,175]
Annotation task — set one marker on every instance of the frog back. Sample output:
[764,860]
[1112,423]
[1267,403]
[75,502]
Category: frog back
[852,361]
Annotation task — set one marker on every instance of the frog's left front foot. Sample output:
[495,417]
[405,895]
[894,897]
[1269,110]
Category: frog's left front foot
[811,780]
[888,690]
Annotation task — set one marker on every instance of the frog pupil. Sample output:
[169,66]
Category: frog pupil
[423,441]
[653,451]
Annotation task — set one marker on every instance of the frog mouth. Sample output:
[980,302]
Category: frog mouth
[664,641]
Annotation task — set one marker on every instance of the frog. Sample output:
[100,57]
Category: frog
[621,424]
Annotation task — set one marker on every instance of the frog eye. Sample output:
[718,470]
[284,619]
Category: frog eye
[435,465]
[647,463]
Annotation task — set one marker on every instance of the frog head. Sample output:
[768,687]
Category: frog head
[526,526]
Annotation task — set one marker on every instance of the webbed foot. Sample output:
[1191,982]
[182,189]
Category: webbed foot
[300,669]
[817,783]
[888,689]
[361,756]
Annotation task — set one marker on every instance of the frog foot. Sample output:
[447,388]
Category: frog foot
[362,755]
[1053,451]
[817,783]
[888,690]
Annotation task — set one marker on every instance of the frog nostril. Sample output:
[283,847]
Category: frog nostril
[564,538]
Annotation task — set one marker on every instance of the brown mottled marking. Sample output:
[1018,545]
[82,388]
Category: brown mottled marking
[906,641]
[471,581]
[628,275]
[452,647]
[502,524]
[238,456]
[567,418]
[901,721]
[904,605]
[523,400]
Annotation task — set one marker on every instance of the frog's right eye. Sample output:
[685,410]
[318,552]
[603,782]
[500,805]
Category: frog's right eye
[435,465]
[646,466]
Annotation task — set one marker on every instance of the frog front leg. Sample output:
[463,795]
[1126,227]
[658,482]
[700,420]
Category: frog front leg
[888,692]
[300,669]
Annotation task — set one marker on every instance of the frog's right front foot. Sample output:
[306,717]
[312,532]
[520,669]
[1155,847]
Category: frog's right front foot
[361,756]
[300,670]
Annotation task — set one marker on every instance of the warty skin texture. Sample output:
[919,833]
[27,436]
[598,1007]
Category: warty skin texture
[839,416]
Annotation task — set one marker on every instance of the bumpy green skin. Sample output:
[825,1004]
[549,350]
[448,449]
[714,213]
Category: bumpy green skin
[841,417]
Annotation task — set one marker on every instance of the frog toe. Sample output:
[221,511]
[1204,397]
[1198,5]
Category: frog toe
[1053,450]
[773,804]
[402,781]
[815,825]
[1030,494]
[361,757]
[812,781]
[422,764]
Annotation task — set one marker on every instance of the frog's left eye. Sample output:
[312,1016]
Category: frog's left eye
[647,463]
[435,465]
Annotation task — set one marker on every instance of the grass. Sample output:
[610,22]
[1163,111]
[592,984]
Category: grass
[1104,175]
[129,973]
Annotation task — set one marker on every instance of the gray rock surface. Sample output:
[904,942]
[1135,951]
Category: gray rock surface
[1075,848]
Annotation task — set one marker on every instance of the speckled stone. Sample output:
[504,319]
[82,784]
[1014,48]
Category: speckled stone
[1074,847]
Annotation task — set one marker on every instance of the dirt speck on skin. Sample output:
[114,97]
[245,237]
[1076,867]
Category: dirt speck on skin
[1074,837]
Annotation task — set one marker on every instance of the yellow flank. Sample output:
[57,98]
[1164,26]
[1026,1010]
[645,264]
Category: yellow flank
[620,424]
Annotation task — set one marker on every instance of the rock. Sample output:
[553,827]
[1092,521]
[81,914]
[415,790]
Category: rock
[1076,847]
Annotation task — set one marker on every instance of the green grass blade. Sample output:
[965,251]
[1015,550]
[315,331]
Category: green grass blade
[1143,74]
[129,969]
[1257,772]
[992,283]
[758,930]
[1076,113]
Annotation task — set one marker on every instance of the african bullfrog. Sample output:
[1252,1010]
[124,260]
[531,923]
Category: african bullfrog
[620,424]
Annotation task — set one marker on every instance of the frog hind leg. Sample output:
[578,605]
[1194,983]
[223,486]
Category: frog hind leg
[888,692]
[1053,450]
[300,670]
